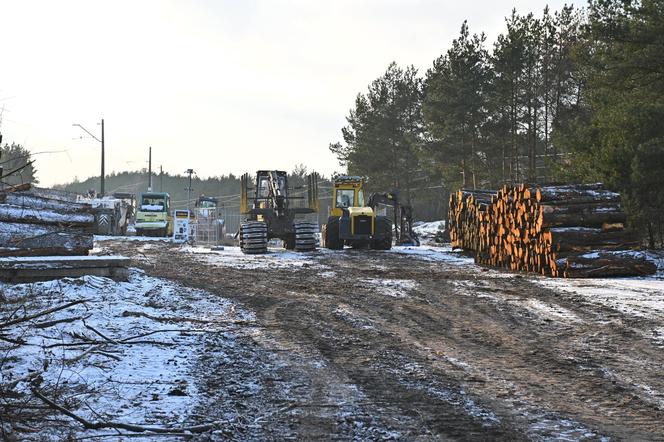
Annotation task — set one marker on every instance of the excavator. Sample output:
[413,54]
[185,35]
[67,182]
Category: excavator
[356,224]
[271,213]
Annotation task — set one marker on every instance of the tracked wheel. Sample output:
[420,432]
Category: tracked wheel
[306,236]
[332,240]
[383,239]
[253,237]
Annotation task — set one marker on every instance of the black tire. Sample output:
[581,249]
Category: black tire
[253,237]
[306,236]
[332,240]
[289,243]
[383,237]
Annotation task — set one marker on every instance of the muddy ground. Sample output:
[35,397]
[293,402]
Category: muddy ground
[383,345]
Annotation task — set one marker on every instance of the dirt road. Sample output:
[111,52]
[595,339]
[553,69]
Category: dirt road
[416,346]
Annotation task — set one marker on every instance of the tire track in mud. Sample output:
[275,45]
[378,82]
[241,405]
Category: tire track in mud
[454,353]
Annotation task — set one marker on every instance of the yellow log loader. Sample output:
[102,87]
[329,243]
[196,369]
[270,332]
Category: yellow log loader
[272,212]
[355,223]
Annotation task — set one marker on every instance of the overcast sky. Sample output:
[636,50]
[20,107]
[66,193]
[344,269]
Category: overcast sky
[219,86]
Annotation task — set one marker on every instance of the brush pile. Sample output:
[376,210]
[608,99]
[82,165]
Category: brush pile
[561,231]
[44,222]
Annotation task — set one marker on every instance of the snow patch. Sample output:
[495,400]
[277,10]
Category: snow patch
[126,352]
[346,313]
[640,297]
[37,259]
[658,336]
[439,254]
[550,427]
[395,288]
[457,363]
[428,231]
[132,238]
[233,257]
[545,309]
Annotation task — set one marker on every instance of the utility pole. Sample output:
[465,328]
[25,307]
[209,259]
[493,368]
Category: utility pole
[2,186]
[189,189]
[161,178]
[103,170]
[103,153]
[150,169]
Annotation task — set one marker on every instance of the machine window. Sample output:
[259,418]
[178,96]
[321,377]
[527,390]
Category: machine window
[345,198]
[153,204]
[281,181]
[263,190]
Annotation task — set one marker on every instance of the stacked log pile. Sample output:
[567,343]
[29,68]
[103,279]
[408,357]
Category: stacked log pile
[560,231]
[42,222]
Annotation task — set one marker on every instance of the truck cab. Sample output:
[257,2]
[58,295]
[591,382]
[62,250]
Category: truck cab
[153,217]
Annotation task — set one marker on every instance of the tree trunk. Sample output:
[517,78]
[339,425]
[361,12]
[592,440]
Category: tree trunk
[601,264]
[18,214]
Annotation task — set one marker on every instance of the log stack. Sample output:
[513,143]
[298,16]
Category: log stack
[43,222]
[560,231]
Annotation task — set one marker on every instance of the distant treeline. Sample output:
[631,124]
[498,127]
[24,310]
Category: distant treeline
[225,187]
[136,182]
[571,95]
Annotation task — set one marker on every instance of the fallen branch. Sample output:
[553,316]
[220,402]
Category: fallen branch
[121,425]
[163,318]
[90,342]
[11,340]
[47,324]
[28,378]
[89,327]
[107,354]
[182,319]
[21,306]
[174,330]
[42,313]
[82,355]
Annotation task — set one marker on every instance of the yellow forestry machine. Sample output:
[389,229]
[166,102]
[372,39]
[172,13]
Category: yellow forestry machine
[354,223]
[271,212]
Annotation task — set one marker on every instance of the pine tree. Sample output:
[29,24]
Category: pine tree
[509,64]
[14,157]
[455,109]
[384,131]
[617,132]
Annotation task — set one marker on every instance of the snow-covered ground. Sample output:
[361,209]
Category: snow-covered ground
[124,352]
[232,256]
[642,297]
[428,227]
[396,288]
[638,296]
[133,238]
[427,231]
[280,258]
[432,253]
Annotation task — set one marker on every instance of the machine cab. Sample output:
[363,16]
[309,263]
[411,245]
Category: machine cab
[206,207]
[155,202]
[347,193]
